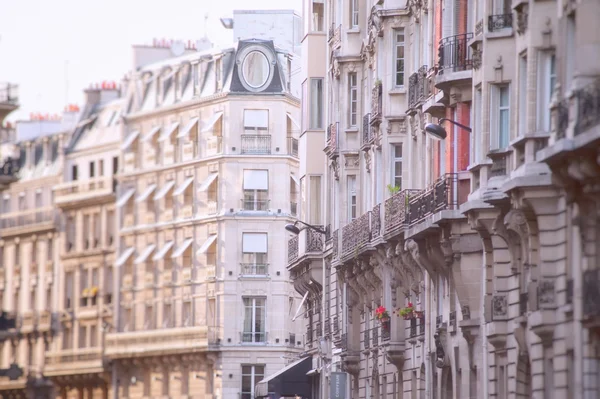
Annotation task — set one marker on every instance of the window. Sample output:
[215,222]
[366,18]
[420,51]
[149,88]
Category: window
[92,169]
[256,121]
[315,205]
[500,112]
[318,14]
[93,336]
[167,314]
[547,81]
[399,57]
[101,167]
[149,317]
[115,165]
[49,250]
[316,103]
[38,199]
[187,314]
[351,198]
[254,254]
[69,282]
[6,205]
[256,190]
[354,13]
[74,172]
[67,338]
[110,227]
[522,95]
[352,98]
[254,320]
[477,126]
[251,375]
[397,166]
[82,333]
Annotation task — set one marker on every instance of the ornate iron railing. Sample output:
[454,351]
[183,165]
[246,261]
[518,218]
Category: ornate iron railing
[499,22]
[418,88]
[442,195]
[385,330]
[293,249]
[257,144]
[366,126]
[332,139]
[455,54]
[413,327]
[588,107]
[255,269]
[479,28]
[356,234]
[314,240]
[396,209]
[376,221]
[336,242]
[367,339]
[562,119]
[375,336]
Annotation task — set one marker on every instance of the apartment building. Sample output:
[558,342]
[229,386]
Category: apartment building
[207,182]
[85,197]
[456,138]
[29,230]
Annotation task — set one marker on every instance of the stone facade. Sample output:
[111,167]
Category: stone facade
[482,232]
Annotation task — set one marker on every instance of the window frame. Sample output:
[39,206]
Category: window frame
[353,99]
[316,118]
[397,44]
[255,378]
[354,14]
[395,161]
[499,140]
[352,197]
[256,337]
[547,78]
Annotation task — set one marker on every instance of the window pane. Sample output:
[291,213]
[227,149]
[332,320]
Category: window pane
[246,370]
[503,137]
[316,104]
[504,96]
[398,151]
[246,384]
[259,371]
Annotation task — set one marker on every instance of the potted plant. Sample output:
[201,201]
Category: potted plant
[378,83]
[393,189]
[93,291]
[407,312]
[382,314]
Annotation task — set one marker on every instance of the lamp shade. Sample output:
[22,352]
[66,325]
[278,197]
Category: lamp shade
[436,131]
[292,228]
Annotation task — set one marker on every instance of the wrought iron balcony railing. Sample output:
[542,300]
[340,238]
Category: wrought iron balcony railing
[293,249]
[367,339]
[587,100]
[455,54]
[254,269]
[256,144]
[314,242]
[366,130]
[356,234]
[397,208]
[499,22]
[332,139]
[255,204]
[442,195]
[28,218]
[561,119]
[9,93]
[591,293]
[418,88]
[376,102]
[248,337]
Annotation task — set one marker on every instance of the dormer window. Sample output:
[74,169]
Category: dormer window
[218,66]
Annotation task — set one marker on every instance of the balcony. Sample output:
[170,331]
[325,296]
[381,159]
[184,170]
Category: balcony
[332,140]
[93,190]
[292,146]
[261,205]
[35,220]
[396,210]
[254,269]
[335,36]
[156,342]
[367,138]
[74,361]
[356,235]
[253,337]
[9,171]
[307,242]
[499,22]
[455,54]
[256,144]
[441,196]
[418,87]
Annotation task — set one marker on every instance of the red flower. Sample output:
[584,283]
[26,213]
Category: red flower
[380,310]
[410,305]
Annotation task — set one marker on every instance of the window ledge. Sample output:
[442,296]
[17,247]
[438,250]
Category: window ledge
[352,130]
[478,166]
[502,33]
[353,30]
[397,90]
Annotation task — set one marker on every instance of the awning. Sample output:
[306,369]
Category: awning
[293,120]
[184,132]
[209,241]
[183,186]
[164,190]
[145,254]
[295,179]
[144,196]
[179,251]
[211,122]
[151,133]
[124,256]
[256,179]
[206,183]
[129,140]
[125,197]
[166,133]
[254,243]
[161,254]
[289,381]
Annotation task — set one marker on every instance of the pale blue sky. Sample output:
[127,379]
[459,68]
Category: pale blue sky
[38,38]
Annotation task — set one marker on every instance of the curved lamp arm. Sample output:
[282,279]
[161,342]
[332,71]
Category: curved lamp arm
[442,120]
[312,227]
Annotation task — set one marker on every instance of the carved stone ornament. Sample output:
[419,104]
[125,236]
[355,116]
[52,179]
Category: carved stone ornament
[402,126]
[546,294]
[335,69]
[522,19]
[367,156]
[466,312]
[415,8]
[375,24]
[351,67]
[477,58]
[351,161]
[499,306]
[388,128]
[336,169]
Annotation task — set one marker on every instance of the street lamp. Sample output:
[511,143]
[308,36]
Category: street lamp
[438,131]
[292,228]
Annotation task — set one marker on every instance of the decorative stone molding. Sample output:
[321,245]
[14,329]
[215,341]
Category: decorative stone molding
[477,57]
[367,157]
[499,307]
[336,169]
[351,161]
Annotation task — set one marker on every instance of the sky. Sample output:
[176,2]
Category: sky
[54,49]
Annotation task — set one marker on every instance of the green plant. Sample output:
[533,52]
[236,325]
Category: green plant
[393,189]
[378,83]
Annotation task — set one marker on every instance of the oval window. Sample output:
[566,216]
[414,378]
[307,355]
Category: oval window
[256,69]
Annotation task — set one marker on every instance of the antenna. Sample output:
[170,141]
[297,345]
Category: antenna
[205,25]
